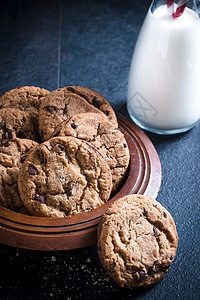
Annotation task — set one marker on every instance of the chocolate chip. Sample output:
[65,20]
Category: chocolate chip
[68,190]
[56,134]
[23,158]
[32,170]
[150,270]
[49,108]
[6,144]
[2,124]
[155,232]
[74,126]
[61,147]
[42,157]
[65,109]
[142,276]
[8,135]
[125,145]
[164,214]
[156,266]
[21,134]
[167,265]
[145,212]
[71,89]
[171,257]
[40,198]
[46,147]
[97,103]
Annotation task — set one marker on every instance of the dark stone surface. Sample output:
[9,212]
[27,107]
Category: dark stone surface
[29,35]
[56,43]
[97,44]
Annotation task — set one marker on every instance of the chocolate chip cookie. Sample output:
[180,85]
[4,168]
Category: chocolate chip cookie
[137,241]
[26,98]
[12,156]
[95,129]
[16,123]
[63,103]
[64,176]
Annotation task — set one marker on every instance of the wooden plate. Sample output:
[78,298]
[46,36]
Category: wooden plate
[36,233]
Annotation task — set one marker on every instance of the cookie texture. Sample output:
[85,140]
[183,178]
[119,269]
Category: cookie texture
[96,99]
[27,98]
[99,132]
[64,176]
[63,103]
[16,123]
[137,241]
[12,156]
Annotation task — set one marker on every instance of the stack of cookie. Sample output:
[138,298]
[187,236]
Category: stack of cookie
[61,153]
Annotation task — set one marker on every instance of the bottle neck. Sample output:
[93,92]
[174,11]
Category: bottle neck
[192,4]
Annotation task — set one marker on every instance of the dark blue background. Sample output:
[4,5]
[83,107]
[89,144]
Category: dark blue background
[52,44]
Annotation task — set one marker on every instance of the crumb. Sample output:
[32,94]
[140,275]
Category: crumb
[53,258]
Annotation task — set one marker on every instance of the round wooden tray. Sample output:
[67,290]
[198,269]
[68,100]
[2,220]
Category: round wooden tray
[36,233]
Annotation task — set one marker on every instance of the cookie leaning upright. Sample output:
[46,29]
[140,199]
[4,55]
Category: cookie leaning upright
[99,132]
[63,103]
[64,176]
[12,156]
[137,241]
[16,123]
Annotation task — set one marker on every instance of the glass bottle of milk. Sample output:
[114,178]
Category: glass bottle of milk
[164,80]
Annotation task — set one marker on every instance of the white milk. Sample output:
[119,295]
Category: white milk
[164,81]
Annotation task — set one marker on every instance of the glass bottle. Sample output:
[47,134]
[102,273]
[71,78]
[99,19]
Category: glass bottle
[164,79]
